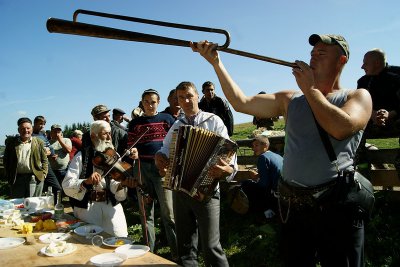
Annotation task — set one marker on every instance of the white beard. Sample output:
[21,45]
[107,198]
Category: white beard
[102,145]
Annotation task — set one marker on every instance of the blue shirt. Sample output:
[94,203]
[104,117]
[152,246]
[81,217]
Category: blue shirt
[269,166]
[47,144]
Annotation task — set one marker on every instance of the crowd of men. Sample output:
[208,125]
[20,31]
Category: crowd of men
[141,148]
[76,166]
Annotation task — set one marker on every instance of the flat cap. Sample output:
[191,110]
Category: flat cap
[118,111]
[23,120]
[99,109]
[56,126]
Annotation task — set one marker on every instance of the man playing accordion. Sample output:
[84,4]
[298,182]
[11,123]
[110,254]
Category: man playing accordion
[194,218]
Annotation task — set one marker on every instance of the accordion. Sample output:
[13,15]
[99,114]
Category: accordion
[193,151]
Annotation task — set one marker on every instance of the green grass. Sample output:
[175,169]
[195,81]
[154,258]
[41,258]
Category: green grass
[244,130]
[385,143]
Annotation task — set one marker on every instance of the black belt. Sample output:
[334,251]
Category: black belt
[310,189]
[303,195]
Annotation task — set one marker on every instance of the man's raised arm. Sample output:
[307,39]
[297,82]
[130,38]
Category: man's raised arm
[266,105]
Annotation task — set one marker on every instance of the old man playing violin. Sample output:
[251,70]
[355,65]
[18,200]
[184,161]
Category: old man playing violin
[97,181]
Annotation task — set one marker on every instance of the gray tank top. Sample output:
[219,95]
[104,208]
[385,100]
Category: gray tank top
[306,162]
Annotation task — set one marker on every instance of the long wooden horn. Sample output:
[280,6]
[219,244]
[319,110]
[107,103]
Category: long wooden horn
[77,28]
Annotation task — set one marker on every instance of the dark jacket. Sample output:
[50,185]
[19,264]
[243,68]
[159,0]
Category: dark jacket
[219,107]
[394,69]
[384,89]
[119,139]
[117,124]
[39,162]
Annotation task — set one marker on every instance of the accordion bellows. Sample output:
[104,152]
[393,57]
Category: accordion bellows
[193,151]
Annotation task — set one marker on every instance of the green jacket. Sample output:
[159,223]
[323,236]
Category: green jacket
[39,162]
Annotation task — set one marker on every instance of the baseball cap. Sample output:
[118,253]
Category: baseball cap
[56,126]
[99,109]
[150,91]
[332,39]
[118,110]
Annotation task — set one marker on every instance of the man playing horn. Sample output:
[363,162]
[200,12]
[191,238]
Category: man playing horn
[329,230]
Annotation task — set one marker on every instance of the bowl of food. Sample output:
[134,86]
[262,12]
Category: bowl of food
[58,249]
[117,241]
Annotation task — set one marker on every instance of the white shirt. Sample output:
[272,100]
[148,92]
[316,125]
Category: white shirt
[24,157]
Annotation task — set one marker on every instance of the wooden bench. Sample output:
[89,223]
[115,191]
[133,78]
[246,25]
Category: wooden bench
[381,163]
[382,168]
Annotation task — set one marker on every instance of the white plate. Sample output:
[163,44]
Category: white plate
[47,238]
[89,229]
[112,240]
[11,242]
[43,251]
[132,251]
[108,259]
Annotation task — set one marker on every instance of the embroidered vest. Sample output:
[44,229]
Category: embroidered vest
[87,170]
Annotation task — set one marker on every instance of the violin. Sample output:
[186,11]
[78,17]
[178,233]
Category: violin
[109,161]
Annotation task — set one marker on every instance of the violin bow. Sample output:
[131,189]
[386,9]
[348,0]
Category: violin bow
[142,196]
[139,190]
[127,151]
